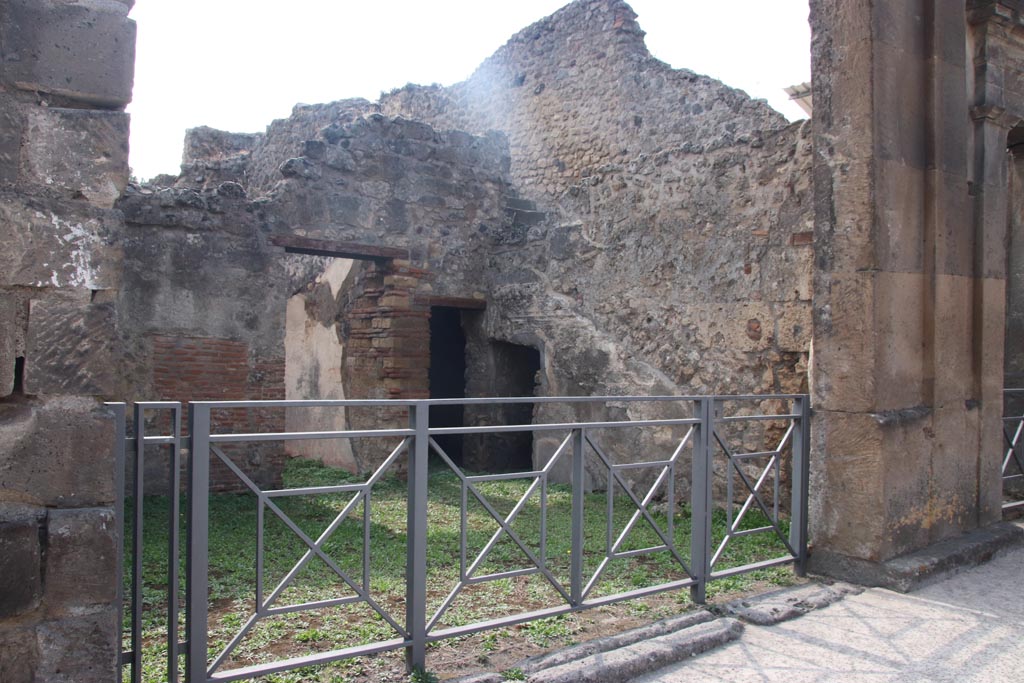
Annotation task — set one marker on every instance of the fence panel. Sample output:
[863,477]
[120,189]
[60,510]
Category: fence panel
[642,514]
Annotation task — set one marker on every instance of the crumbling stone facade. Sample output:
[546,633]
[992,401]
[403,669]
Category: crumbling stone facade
[679,264]
[205,266]
[578,90]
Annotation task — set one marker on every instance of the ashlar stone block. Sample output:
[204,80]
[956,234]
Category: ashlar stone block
[12,337]
[907,457]
[898,88]
[84,51]
[955,466]
[12,124]
[849,475]
[81,559]
[793,326]
[20,559]
[899,338]
[71,349]
[844,377]
[18,655]
[58,244]
[900,231]
[954,340]
[57,453]
[79,649]
[84,152]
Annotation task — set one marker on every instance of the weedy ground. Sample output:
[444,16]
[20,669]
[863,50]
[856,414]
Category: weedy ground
[232,575]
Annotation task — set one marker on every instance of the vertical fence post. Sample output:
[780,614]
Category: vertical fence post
[138,488]
[174,525]
[118,451]
[700,500]
[197,561]
[416,543]
[576,547]
[801,475]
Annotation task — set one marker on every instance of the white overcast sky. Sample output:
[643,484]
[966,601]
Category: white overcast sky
[239,64]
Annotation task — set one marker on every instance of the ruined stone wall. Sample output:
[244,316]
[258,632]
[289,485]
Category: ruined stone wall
[401,184]
[211,157]
[203,309]
[66,74]
[397,183]
[578,90]
[201,270]
[680,273]
[675,255]
[286,138]
[696,264]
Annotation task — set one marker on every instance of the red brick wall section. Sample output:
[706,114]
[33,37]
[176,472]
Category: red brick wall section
[387,352]
[207,369]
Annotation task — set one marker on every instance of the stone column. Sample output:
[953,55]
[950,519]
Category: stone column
[907,330]
[65,77]
[991,201]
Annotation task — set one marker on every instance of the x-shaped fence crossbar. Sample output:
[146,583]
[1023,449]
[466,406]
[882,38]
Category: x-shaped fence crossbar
[266,608]
[1013,437]
[574,596]
[772,468]
[1012,430]
[701,437]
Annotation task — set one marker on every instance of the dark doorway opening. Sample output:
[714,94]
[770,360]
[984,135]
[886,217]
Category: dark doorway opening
[517,368]
[19,376]
[515,371]
[447,375]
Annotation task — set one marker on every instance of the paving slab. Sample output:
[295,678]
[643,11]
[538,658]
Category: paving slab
[788,603]
[966,628]
[614,642]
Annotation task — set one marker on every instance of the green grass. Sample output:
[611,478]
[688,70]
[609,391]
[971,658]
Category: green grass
[233,522]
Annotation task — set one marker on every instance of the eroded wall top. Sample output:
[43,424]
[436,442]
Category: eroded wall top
[578,90]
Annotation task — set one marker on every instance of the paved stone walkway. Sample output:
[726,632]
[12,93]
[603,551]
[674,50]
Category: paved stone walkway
[967,628]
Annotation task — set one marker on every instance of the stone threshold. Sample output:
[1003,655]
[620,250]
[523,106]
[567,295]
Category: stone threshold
[639,651]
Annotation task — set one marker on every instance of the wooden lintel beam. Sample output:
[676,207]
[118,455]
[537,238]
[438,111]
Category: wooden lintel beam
[293,244]
[451,302]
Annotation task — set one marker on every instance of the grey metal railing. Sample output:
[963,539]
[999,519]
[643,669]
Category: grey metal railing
[702,433]
[1013,437]
[137,442]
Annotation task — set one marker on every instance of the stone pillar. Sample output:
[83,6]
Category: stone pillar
[65,77]
[908,323]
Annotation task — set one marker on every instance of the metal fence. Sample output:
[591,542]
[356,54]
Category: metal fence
[1013,457]
[703,449]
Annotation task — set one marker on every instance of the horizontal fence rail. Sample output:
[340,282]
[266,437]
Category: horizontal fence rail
[1013,456]
[701,440]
